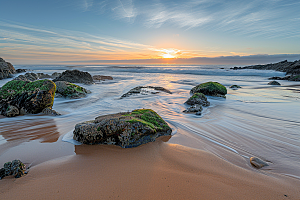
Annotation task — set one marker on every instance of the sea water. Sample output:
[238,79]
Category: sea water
[256,120]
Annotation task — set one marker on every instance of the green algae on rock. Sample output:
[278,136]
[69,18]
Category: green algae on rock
[129,129]
[70,90]
[27,97]
[211,89]
[198,98]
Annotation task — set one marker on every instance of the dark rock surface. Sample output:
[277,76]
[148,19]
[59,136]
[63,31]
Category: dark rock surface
[27,97]
[15,168]
[258,163]
[27,77]
[127,130]
[211,89]
[70,90]
[196,108]
[6,69]
[235,86]
[144,90]
[198,98]
[273,83]
[289,78]
[75,76]
[21,70]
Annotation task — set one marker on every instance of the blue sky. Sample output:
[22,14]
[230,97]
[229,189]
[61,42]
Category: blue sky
[95,31]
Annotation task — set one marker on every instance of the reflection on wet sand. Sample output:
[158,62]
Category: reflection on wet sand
[43,129]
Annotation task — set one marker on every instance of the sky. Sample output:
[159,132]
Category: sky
[90,32]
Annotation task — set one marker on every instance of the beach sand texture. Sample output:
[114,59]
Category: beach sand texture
[156,170]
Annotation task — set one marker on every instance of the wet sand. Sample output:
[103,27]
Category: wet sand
[157,170]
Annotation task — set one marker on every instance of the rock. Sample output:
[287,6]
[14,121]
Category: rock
[102,78]
[290,68]
[144,90]
[127,130]
[6,69]
[49,111]
[196,108]
[258,163]
[289,78]
[42,75]
[75,76]
[198,98]
[70,90]
[27,77]
[27,97]
[235,86]
[211,89]
[12,111]
[20,70]
[15,168]
[55,74]
[273,83]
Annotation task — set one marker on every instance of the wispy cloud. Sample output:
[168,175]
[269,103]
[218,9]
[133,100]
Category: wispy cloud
[269,18]
[35,43]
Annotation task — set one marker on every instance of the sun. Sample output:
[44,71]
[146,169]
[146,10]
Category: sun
[168,53]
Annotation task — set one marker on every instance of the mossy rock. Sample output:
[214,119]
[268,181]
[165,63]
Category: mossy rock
[211,89]
[127,130]
[30,97]
[70,90]
[198,98]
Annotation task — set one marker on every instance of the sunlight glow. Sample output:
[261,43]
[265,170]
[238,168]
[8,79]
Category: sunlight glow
[168,53]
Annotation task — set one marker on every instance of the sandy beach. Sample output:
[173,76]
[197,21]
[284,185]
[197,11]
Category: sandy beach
[154,171]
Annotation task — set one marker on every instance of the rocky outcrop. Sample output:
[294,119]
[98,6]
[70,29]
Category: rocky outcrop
[258,163]
[75,76]
[102,78]
[36,76]
[273,83]
[26,97]
[145,90]
[70,90]
[6,69]
[290,68]
[211,89]
[15,168]
[289,78]
[127,130]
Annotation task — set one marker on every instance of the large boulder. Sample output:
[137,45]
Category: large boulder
[26,97]
[211,89]
[6,69]
[75,76]
[273,83]
[198,98]
[70,90]
[127,130]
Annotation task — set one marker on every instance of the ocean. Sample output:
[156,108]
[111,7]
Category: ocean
[258,119]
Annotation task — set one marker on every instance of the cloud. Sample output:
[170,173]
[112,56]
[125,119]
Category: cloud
[269,18]
[23,40]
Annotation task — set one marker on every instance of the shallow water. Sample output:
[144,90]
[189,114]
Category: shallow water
[255,120]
